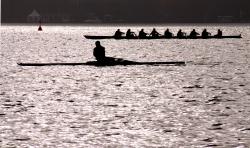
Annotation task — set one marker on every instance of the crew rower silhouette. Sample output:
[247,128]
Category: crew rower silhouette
[181,34]
[205,34]
[154,33]
[193,34]
[168,34]
[142,34]
[118,34]
[130,34]
[99,52]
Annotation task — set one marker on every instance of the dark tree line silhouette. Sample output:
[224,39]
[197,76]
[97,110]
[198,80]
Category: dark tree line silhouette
[127,10]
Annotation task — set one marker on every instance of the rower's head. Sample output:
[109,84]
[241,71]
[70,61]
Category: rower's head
[98,43]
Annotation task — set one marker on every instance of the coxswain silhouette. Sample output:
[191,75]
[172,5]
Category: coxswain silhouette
[219,33]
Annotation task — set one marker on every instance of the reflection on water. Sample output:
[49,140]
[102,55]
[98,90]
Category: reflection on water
[203,104]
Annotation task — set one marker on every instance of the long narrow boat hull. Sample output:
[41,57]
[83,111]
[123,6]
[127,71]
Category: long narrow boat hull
[160,37]
[95,63]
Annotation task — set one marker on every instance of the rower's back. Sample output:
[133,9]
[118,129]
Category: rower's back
[154,33]
[180,34]
[118,34]
[193,34]
[219,33]
[142,34]
[205,34]
[130,34]
[168,34]
[99,52]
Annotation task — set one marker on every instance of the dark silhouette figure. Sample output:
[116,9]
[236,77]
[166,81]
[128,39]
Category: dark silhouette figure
[118,34]
[142,34]
[205,34]
[168,34]
[193,34]
[40,26]
[219,33]
[154,33]
[181,34]
[130,34]
[99,52]
[102,60]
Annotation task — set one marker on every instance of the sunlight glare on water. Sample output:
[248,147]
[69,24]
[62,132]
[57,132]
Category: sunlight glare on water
[203,104]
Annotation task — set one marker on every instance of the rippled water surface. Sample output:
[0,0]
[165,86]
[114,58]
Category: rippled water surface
[203,104]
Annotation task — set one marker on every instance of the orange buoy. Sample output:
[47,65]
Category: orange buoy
[40,27]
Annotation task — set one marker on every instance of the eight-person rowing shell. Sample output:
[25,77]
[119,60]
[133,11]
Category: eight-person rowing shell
[154,34]
[167,35]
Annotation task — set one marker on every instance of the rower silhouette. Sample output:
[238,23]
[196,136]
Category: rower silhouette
[193,34]
[102,60]
[142,34]
[168,34]
[130,34]
[181,34]
[99,52]
[154,33]
[118,34]
[205,34]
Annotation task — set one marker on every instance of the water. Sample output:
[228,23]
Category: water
[203,104]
